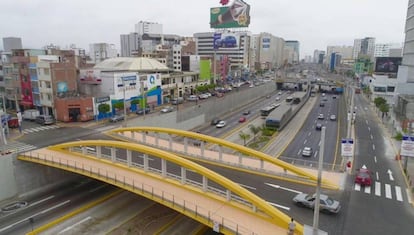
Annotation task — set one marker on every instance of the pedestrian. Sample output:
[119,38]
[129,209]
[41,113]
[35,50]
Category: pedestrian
[292,227]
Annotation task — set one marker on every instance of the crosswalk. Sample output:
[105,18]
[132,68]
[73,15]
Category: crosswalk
[390,191]
[40,128]
[16,147]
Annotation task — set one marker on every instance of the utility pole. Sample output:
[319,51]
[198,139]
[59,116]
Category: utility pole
[318,187]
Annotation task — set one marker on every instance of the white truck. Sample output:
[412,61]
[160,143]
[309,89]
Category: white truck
[30,114]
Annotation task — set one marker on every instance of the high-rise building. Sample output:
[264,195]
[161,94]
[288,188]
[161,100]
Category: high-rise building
[101,51]
[318,56]
[130,44]
[384,49]
[144,27]
[295,46]
[346,52]
[364,47]
[406,70]
[268,51]
[10,43]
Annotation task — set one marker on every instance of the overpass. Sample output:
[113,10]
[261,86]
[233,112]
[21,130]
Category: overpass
[158,173]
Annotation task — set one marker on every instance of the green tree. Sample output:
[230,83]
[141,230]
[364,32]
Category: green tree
[104,108]
[379,101]
[119,105]
[255,130]
[244,137]
[384,109]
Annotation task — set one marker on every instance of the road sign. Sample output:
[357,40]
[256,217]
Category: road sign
[407,146]
[347,147]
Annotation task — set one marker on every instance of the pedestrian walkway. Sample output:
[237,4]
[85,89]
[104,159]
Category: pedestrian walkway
[40,128]
[393,192]
[16,147]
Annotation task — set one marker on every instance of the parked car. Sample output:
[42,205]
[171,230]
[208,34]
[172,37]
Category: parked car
[141,111]
[167,109]
[178,100]
[327,204]
[192,98]
[242,119]
[30,114]
[117,118]
[363,176]
[203,96]
[221,124]
[307,152]
[45,120]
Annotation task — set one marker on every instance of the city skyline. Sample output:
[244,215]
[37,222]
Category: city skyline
[315,25]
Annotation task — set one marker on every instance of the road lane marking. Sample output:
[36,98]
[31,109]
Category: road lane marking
[246,186]
[304,142]
[369,129]
[283,188]
[357,187]
[76,224]
[372,137]
[398,193]
[375,159]
[299,152]
[377,175]
[407,191]
[310,133]
[316,154]
[366,121]
[388,191]
[367,189]
[97,188]
[373,147]
[378,189]
[280,206]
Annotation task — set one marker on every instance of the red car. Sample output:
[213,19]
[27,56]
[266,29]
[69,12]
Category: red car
[242,119]
[363,177]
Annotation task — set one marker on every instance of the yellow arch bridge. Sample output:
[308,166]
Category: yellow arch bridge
[171,180]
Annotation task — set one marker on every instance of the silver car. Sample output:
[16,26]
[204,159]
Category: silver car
[327,204]
[167,109]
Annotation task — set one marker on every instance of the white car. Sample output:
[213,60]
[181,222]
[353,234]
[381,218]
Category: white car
[203,96]
[327,204]
[221,124]
[192,98]
[307,152]
[167,109]
[332,117]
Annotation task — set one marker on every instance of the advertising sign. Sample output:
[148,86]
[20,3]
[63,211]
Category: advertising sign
[387,64]
[234,16]
[88,76]
[225,40]
[347,147]
[407,146]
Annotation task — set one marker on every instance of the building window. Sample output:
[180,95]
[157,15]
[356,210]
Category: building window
[46,71]
[49,97]
[390,88]
[26,92]
[48,85]
[380,89]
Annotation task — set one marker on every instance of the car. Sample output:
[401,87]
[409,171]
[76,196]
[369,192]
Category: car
[178,100]
[247,112]
[323,94]
[45,120]
[268,96]
[325,98]
[279,93]
[318,126]
[141,111]
[227,41]
[220,124]
[327,204]
[167,109]
[334,97]
[307,152]
[322,104]
[277,98]
[320,116]
[251,86]
[242,119]
[332,117]
[117,118]
[363,176]
[215,121]
[203,96]
[192,98]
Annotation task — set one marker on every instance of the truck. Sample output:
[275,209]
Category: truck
[30,114]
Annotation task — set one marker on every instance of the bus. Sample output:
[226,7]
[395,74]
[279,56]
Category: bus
[278,119]
[289,99]
[265,111]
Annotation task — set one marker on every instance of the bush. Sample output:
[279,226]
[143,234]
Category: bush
[398,136]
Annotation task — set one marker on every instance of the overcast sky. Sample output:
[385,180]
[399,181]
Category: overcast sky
[314,23]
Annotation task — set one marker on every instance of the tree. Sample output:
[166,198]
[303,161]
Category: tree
[379,101]
[104,108]
[384,109]
[255,130]
[244,137]
[119,105]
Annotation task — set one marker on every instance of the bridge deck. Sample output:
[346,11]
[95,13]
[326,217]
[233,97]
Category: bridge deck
[205,206]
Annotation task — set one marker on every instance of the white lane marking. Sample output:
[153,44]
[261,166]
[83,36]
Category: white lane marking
[283,188]
[76,224]
[375,159]
[366,121]
[388,191]
[310,133]
[357,187]
[389,172]
[304,142]
[42,200]
[372,137]
[378,188]
[398,193]
[367,189]
[299,151]
[280,206]
[34,215]
[319,144]
[97,188]
[376,173]
[369,129]
[373,147]
[407,191]
[316,154]
[246,186]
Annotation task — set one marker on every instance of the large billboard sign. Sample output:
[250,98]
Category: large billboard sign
[90,76]
[407,146]
[225,40]
[234,16]
[387,64]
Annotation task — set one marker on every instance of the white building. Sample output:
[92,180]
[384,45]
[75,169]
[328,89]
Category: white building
[346,52]
[364,47]
[385,49]
[44,83]
[268,50]
[148,27]
[295,46]
[100,51]
[10,43]
[130,44]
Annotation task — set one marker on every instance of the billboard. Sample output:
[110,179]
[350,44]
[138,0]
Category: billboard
[387,64]
[225,40]
[90,76]
[234,16]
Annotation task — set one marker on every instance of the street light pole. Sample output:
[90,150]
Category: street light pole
[318,187]
[125,111]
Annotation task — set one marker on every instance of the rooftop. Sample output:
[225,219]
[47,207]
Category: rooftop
[136,64]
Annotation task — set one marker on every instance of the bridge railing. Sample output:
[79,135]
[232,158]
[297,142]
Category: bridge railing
[156,194]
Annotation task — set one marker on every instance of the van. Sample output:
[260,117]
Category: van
[45,119]
[178,100]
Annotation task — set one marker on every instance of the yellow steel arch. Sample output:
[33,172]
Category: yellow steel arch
[240,148]
[277,217]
